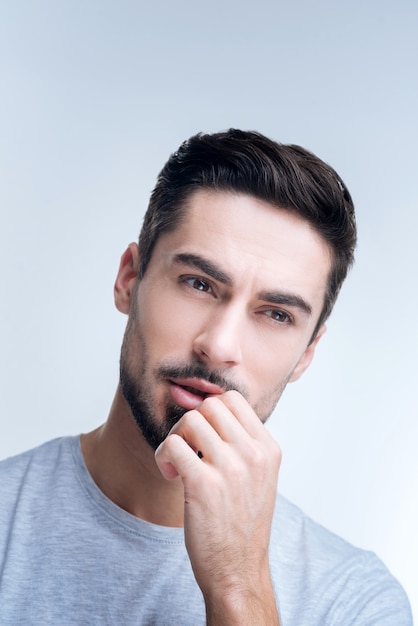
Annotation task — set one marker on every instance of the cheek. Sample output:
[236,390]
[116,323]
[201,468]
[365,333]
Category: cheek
[266,381]
[268,357]
[268,373]
[268,384]
[168,323]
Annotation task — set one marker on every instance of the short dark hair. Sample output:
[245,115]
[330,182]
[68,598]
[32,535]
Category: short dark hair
[286,176]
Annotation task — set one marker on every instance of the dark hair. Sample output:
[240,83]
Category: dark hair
[287,176]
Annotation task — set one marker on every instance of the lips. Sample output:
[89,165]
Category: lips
[189,392]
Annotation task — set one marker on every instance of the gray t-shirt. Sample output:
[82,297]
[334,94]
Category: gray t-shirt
[68,555]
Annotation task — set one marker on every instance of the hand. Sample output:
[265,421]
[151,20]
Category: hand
[229,498]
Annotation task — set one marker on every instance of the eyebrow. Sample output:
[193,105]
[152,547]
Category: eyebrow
[204,265]
[273,297]
[286,299]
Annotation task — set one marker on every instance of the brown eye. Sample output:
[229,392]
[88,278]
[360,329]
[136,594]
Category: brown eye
[199,284]
[278,316]
[196,283]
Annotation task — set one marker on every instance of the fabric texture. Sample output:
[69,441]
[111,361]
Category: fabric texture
[70,556]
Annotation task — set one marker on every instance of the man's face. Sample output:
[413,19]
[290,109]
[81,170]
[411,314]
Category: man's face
[229,300]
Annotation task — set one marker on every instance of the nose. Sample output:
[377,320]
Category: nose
[219,341]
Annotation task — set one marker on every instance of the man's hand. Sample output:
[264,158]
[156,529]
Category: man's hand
[229,464]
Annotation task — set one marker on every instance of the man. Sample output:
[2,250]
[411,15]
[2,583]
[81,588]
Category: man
[168,514]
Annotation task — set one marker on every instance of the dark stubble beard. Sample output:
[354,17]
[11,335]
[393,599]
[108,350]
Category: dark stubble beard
[154,432]
[143,410]
[138,395]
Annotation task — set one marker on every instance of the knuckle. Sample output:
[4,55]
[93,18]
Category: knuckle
[170,444]
[262,461]
[209,404]
[210,401]
[233,394]
[279,453]
[259,458]
[189,419]
[276,454]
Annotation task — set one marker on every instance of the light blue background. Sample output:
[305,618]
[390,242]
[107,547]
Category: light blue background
[94,97]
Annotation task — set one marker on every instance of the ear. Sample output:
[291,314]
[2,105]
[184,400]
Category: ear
[307,356]
[126,278]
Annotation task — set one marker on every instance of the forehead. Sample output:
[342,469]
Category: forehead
[252,241]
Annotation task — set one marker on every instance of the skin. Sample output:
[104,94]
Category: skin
[235,292]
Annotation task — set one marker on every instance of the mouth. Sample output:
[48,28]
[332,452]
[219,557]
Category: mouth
[194,390]
[189,393]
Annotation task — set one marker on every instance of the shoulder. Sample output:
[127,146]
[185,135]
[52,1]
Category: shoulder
[33,467]
[343,580]
[301,532]
[48,450]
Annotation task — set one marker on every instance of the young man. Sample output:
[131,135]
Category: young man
[168,514]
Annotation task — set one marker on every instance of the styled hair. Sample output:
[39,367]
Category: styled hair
[286,176]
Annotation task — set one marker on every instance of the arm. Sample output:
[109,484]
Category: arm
[229,498]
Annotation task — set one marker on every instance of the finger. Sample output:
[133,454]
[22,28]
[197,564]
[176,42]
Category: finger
[200,435]
[174,457]
[253,426]
[192,435]
[244,414]
[224,421]
[230,415]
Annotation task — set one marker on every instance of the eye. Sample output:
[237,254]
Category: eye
[278,315]
[197,283]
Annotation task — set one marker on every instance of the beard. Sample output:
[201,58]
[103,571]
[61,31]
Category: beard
[137,389]
[143,411]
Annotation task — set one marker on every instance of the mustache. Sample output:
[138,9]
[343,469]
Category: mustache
[199,370]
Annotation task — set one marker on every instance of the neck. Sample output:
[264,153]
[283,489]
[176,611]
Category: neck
[122,464]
